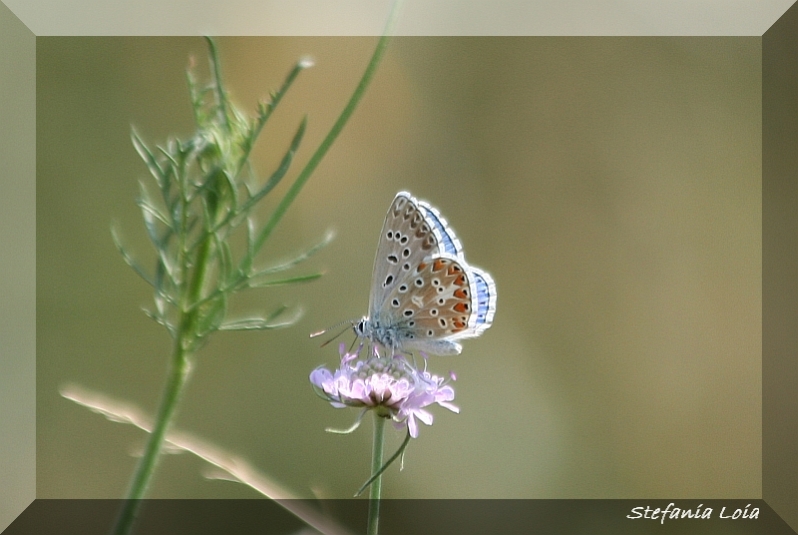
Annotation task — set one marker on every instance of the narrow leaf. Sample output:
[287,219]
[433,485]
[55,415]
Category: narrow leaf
[221,96]
[379,472]
[149,159]
[298,259]
[282,282]
[160,321]
[281,170]
[265,109]
[129,259]
[211,315]
[261,324]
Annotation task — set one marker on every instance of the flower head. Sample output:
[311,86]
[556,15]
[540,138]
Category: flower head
[390,385]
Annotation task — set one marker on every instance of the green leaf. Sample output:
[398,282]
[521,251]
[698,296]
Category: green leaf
[165,266]
[281,282]
[225,260]
[282,169]
[211,314]
[129,259]
[297,259]
[149,159]
[221,95]
[160,321]
[382,469]
[261,324]
[148,207]
[265,109]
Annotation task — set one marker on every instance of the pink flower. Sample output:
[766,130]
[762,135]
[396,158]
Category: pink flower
[390,385]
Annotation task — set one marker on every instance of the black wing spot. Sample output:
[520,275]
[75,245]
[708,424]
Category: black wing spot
[403,240]
[433,312]
[395,302]
[406,266]
[408,313]
[405,252]
[388,281]
[403,288]
[419,282]
[393,259]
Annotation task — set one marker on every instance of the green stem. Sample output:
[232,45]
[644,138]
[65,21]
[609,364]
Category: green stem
[376,465]
[333,133]
[178,375]
[180,369]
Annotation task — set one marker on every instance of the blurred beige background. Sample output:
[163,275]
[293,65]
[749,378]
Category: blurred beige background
[612,186]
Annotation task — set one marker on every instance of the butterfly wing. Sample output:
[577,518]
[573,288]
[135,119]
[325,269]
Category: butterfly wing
[443,232]
[440,301]
[485,302]
[407,238]
[424,295]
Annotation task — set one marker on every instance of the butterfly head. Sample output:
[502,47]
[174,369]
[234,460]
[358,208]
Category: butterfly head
[378,333]
[360,327]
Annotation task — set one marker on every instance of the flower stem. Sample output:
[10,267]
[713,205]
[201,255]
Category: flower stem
[376,465]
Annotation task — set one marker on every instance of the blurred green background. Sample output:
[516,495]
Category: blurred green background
[612,186]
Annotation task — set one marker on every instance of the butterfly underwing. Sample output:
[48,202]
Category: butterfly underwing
[424,295]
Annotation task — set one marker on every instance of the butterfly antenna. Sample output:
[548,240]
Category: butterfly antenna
[319,333]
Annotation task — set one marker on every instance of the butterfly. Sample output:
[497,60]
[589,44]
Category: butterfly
[424,295]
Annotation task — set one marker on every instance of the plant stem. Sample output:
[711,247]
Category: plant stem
[334,131]
[179,372]
[376,465]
